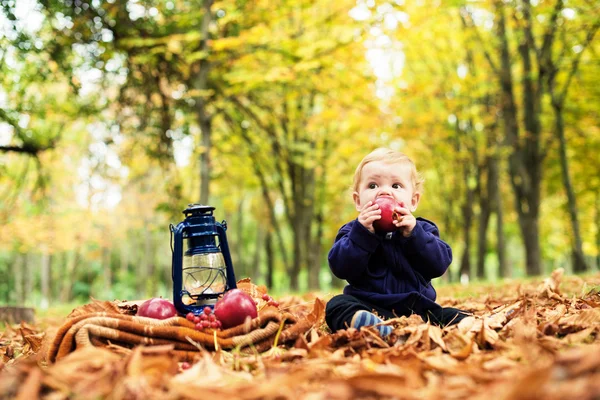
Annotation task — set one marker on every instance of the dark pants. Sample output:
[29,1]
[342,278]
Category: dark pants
[341,308]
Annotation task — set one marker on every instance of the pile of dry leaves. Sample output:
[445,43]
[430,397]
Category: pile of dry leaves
[527,342]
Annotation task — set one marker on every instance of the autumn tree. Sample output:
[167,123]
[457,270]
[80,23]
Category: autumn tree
[284,119]
[529,146]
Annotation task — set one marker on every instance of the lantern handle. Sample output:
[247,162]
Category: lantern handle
[171,230]
[231,281]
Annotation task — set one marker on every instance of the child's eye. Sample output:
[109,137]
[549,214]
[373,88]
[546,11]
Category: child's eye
[396,186]
[372,185]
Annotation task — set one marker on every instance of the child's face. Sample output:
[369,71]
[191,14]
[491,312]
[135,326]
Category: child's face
[379,179]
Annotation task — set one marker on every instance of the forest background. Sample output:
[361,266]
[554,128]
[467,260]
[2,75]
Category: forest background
[114,115]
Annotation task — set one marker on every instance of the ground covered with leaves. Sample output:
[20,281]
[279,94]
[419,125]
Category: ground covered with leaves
[524,341]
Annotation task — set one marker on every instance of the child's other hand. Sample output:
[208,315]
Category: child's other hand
[368,214]
[406,223]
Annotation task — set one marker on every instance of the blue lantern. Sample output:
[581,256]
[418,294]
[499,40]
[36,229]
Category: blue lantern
[201,269]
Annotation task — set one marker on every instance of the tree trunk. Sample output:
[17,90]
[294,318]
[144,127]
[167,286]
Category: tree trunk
[447,219]
[205,128]
[484,219]
[316,245]
[485,207]
[467,217]
[314,257]
[144,263]
[204,119]
[469,196]
[530,230]
[16,315]
[312,242]
[467,211]
[6,282]
[504,269]
[106,268]
[579,264]
[240,263]
[525,159]
[298,227]
[490,203]
[45,278]
[28,277]
[270,259]
[151,280]
[301,234]
[558,96]
[297,257]
[71,268]
[124,260]
[58,277]
[529,178]
[303,187]
[18,272]
[258,248]
[598,228]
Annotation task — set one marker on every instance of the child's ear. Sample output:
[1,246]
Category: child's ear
[356,198]
[414,202]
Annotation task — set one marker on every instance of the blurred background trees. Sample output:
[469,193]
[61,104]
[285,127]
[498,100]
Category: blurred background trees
[115,115]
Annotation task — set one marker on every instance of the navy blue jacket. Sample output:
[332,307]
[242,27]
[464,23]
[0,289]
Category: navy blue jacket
[391,271]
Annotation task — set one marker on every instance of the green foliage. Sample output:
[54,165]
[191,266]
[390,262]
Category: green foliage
[109,98]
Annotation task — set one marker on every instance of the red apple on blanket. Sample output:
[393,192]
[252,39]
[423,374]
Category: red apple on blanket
[157,308]
[388,215]
[234,307]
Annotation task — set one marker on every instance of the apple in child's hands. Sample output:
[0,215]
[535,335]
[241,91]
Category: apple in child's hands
[157,308]
[388,215]
[234,307]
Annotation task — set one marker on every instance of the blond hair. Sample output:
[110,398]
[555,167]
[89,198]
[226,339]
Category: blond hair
[390,157]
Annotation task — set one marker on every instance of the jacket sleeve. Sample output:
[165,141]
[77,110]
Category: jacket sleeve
[425,251]
[351,251]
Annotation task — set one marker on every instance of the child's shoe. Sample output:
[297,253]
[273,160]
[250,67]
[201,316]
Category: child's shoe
[364,318]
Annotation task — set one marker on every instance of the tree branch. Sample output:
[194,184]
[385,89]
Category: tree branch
[575,64]
[546,50]
[529,30]
[27,148]
[471,25]
[276,147]
[254,155]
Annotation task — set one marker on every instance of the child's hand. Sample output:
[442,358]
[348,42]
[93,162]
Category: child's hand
[406,223]
[368,214]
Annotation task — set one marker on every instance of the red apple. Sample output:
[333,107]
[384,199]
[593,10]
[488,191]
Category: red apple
[157,308]
[234,307]
[388,215]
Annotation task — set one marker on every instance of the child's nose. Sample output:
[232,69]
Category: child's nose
[384,191]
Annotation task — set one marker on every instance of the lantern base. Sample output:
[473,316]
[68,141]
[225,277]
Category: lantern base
[206,302]
[189,301]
